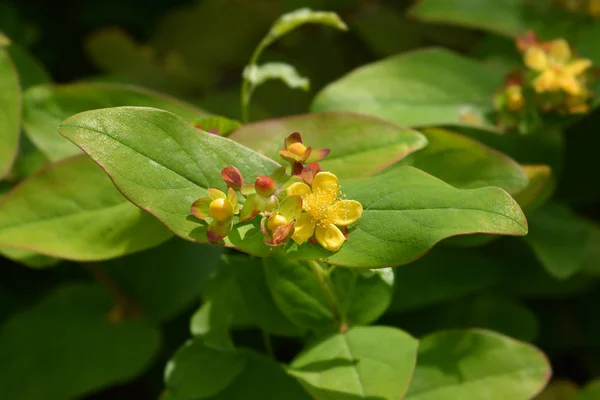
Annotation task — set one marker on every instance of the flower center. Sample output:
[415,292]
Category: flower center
[318,204]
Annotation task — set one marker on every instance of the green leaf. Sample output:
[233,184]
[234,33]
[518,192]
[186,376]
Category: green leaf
[476,364]
[198,371]
[539,188]
[251,278]
[457,273]
[473,164]
[65,348]
[166,279]
[45,107]
[591,391]
[292,20]
[216,124]
[31,71]
[559,239]
[10,117]
[356,151]
[4,40]
[559,389]
[170,168]
[419,88]
[406,212]
[29,160]
[259,74]
[299,294]
[71,210]
[28,258]
[373,362]
[363,295]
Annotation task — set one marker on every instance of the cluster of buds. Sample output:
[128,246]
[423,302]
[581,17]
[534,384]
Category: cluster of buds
[554,81]
[589,7]
[302,206]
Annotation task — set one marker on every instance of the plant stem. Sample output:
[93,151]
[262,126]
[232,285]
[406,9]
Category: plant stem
[246,91]
[268,344]
[323,277]
[123,305]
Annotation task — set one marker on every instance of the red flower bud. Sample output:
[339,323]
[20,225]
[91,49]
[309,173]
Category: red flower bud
[232,177]
[264,186]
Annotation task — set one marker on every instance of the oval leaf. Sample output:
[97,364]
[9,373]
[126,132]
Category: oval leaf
[10,114]
[45,107]
[65,348]
[373,362]
[466,163]
[360,145]
[477,364]
[425,87]
[71,210]
[406,212]
[259,74]
[163,164]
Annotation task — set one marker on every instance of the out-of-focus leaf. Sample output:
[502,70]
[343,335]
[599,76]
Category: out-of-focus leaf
[371,362]
[28,258]
[560,389]
[72,210]
[166,279]
[476,364]
[559,238]
[539,188]
[45,107]
[591,391]
[360,145]
[65,347]
[217,125]
[465,163]
[10,117]
[420,88]
[31,71]
[258,74]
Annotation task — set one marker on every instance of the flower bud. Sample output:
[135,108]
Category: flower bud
[297,148]
[264,186]
[276,221]
[232,177]
[221,210]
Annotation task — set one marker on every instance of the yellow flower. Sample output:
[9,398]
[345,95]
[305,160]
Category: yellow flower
[557,70]
[323,211]
[514,98]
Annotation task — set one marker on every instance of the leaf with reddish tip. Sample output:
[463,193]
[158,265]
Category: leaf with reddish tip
[361,145]
[218,230]
[201,208]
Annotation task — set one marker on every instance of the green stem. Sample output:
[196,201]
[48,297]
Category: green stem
[322,276]
[268,344]
[246,92]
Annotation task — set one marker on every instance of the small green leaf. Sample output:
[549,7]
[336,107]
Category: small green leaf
[292,20]
[406,212]
[559,239]
[360,145]
[259,74]
[477,364]
[198,371]
[591,391]
[10,119]
[299,294]
[457,273]
[71,210]
[473,164]
[420,88]
[372,362]
[65,348]
[170,168]
[46,106]
[215,124]
[251,280]
[166,279]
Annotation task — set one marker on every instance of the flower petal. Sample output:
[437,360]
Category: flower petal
[546,82]
[304,228]
[282,233]
[216,194]
[233,200]
[560,51]
[571,85]
[345,212]
[295,137]
[291,207]
[249,209]
[326,181]
[318,155]
[290,157]
[330,237]
[218,230]
[201,207]
[298,189]
[578,66]
[535,58]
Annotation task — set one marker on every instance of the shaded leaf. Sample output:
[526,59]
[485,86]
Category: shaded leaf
[591,391]
[28,258]
[360,145]
[477,364]
[10,118]
[71,210]
[31,71]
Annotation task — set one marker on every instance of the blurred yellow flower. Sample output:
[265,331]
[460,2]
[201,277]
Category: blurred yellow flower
[323,211]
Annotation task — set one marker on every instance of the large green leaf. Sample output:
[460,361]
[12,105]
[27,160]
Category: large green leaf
[162,164]
[10,113]
[476,364]
[559,238]
[71,210]
[466,163]
[406,212]
[373,362]
[65,347]
[166,279]
[457,273]
[424,87]
[360,145]
[46,106]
